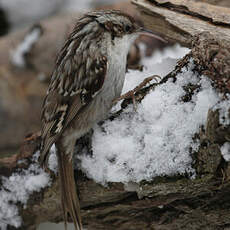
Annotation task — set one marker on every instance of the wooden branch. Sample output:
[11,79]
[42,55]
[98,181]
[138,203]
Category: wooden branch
[180,20]
[214,14]
[224,3]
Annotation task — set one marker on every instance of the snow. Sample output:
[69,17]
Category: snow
[161,63]
[17,188]
[225,151]
[53,162]
[18,54]
[157,139]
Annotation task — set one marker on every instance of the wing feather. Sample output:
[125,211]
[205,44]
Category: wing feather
[67,97]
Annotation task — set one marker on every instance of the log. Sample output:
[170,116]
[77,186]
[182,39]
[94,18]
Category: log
[175,202]
[224,3]
[180,20]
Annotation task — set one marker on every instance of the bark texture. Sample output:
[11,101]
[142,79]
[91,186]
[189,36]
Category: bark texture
[180,20]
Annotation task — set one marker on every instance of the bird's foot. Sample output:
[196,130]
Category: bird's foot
[48,171]
[131,93]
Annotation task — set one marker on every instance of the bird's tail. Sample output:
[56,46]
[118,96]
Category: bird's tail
[69,197]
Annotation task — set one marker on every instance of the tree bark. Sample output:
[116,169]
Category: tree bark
[180,20]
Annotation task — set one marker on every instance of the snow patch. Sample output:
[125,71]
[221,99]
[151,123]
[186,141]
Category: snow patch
[161,63]
[18,54]
[225,151]
[157,140]
[17,188]
[53,162]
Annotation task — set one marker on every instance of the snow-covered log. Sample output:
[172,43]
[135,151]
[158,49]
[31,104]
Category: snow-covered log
[167,164]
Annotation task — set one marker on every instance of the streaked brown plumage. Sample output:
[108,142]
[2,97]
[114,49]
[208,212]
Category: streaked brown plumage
[88,76]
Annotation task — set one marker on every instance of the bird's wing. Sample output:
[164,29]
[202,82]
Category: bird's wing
[71,90]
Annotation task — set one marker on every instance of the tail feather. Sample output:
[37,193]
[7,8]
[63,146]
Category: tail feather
[69,198]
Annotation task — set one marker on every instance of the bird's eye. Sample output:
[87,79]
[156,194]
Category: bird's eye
[127,28]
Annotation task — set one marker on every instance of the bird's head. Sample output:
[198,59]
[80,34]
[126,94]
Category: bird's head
[120,24]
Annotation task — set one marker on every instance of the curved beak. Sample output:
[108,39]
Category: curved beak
[147,32]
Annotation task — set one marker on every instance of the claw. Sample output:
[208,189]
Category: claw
[131,93]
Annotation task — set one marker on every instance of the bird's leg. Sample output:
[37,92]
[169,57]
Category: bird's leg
[131,93]
[48,170]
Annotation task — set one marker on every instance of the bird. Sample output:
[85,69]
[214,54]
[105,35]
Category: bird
[88,76]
